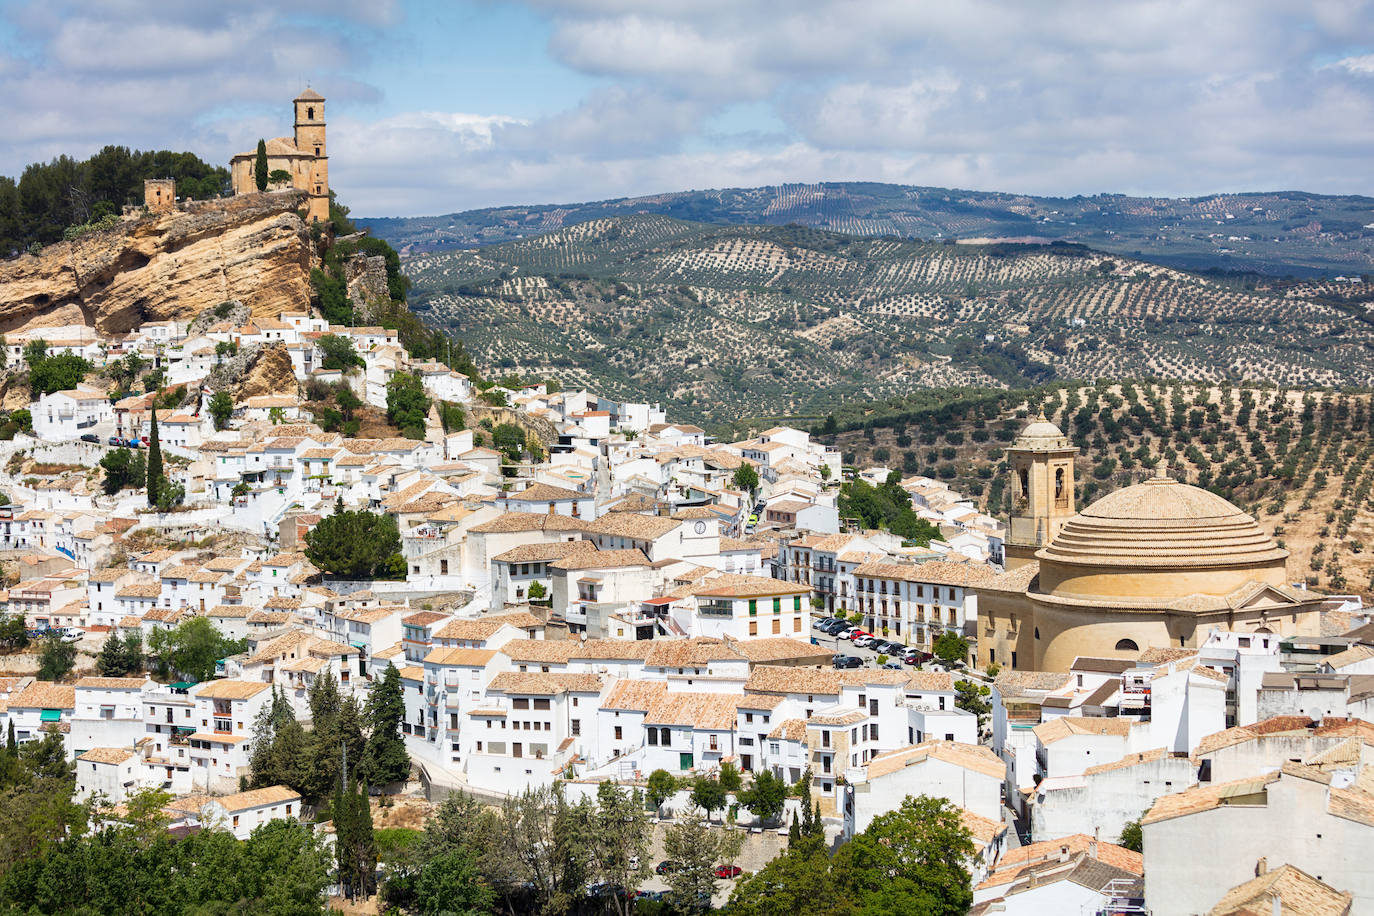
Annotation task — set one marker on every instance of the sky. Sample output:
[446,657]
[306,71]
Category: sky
[449,105]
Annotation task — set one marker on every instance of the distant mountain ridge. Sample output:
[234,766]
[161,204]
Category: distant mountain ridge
[720,322]
[1278,233]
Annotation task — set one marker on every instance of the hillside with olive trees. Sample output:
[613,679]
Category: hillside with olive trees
[722,322]
[1301,462]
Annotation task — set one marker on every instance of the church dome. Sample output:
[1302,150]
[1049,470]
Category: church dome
[1040,433]
[1159,537]
[1161,522]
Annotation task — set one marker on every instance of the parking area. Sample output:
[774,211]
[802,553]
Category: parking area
[845,647]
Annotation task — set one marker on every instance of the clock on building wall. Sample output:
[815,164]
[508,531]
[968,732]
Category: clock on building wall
[700,527]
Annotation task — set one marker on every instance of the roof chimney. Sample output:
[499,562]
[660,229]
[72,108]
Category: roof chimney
[1262,867]
[1064,852]
[1092,846]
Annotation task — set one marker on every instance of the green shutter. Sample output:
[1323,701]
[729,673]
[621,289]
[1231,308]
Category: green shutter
[753,606]
[796,603]
[777,605]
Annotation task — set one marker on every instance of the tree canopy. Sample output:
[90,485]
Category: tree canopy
[407,405]
[192,649]
[886,506]
[354,543]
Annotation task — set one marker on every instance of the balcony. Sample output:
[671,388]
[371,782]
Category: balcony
[716,608]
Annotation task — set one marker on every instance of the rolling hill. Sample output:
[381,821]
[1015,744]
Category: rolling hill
[722,322]
[1300,462]
[1277,233]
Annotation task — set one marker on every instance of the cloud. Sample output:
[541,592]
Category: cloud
[1173,97]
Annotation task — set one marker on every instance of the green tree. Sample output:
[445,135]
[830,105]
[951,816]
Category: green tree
[354,544]
[192,648]
[950,647]
[278,176]
[910,861]
[620,841]
[111,660]
[972,697]
[661,786]
[12,632]
[746,478]
[221,409]
[123,468]
[765,796]
[537,591]
[451,884]
[347,400]
[1132,836]
[337,352]
[53,373]
[155,477]
[730,779]
[800,882]
[407,405]
[23,418]
[708,795]
[260,173]
[56,659]
[355,845]
[695,847]
[384,758]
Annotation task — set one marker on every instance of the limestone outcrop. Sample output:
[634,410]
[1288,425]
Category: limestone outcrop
[253,248]
[254,371]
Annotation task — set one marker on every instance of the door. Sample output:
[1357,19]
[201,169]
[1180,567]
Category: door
[516,750]
[684,761]
[746,762]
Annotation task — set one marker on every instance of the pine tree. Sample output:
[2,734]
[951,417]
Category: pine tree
[260,166]
[154,462]
[110,662]
[385,759]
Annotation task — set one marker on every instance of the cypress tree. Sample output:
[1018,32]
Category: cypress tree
[154,462]
[260,166]
[110,662]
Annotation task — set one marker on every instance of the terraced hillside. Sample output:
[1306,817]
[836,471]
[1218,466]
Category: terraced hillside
[723,322]
[1279,233]
[1302,462]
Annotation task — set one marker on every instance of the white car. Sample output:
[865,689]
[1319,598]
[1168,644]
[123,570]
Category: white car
[863,641]
[72,634]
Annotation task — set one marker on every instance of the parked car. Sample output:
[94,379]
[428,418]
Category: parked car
[846,632]
[895,663]
[833,627]
[916,657]
[71,634]
[848,661]
[115,440]
[894,648]
[728,871]
[92,438]
[864,641]
[667,867]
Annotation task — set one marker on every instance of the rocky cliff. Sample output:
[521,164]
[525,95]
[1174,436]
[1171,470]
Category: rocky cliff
[253,248]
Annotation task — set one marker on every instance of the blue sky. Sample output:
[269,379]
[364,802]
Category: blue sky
[441,106]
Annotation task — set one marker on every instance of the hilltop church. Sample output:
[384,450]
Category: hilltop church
[1157,564]
[303,156]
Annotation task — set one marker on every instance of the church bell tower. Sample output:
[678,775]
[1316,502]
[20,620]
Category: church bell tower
[1042,479]
[310,140]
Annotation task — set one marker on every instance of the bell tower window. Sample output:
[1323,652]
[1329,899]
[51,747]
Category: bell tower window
[310,113]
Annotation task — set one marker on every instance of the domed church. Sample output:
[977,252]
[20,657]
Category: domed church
[1160,563]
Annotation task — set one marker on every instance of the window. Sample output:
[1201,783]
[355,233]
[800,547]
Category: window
[520,703]
[796,603]
[541,704]
[310,113]
[753,606]
[753,628]
[872,707]
[825,739]
[873,731]
[714,745]
[653,737]
[576,727]
[777,605]
[1127,645]
[618,734]
[665,737]
[796,624]
[777,626]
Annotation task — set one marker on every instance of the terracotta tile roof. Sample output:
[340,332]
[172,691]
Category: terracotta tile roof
[1015,861]
[1206,797]
[540,650]
[542,684]
[681,653]
[741,586]
[109,755]
[544,492]
[479,628]
[769,701]
[634,526]
[1275,725]
[1351,656]
[45,695]
[776,649]
[1016,581]
[783,679]
[634,695]
[968,756]
[698,710]
[540,553]
[112,574]
[112,683]
[601,559]
[140,591]
[412,673]
[615,649]
[231,689]
[789,730]
[983,829]
[936,572]
[1299,894]
[257,798]
[424,618]
[847,717]
[1066,726]
[471,658]
[512,522]
[1130,760]
[1156,655]
[930,681]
